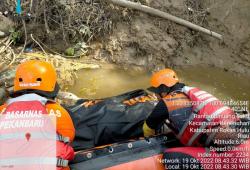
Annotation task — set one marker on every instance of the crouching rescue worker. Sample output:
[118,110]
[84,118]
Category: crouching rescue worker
[35,87]
[196,117]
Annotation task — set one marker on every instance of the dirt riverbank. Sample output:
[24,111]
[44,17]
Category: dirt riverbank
[153,43]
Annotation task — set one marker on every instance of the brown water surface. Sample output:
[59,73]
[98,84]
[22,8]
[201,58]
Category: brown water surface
[112,80]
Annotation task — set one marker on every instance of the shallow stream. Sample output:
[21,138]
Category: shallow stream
[111,80]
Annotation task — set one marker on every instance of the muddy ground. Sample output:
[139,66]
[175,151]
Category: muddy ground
[156,43]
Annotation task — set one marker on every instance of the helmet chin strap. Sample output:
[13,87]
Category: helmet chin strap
[177,87]
[159,90]
[163,89]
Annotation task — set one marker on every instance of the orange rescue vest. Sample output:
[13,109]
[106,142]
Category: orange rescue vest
[33,104]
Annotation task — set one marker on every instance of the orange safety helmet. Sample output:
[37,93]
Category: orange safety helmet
[166,77]
[35,75]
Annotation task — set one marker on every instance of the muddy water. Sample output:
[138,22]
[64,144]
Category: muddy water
[111,80]
[224,85]
[108,81]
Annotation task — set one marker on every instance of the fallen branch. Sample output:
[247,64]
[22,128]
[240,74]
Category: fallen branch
[6,45]
[39,45]
[14,57]
[165,15]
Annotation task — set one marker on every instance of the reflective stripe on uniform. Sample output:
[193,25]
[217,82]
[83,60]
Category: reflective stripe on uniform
[34,135]
[29,161]
[203,104]
[62,162]
[201,97]
[186,89]
[199,93]
[217,112]
[35,161]
[209,118]
[195,135]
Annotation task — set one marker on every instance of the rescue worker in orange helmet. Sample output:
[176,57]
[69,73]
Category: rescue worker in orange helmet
[197,118]
[180,105]
[37,81]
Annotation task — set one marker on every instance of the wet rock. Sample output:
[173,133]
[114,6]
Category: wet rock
[6,77]
[6,13]
[2,34]
[5,24]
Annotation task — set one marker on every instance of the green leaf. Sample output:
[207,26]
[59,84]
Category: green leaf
[70,51]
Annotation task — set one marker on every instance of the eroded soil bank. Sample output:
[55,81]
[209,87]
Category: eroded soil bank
[139,39]
[155,43]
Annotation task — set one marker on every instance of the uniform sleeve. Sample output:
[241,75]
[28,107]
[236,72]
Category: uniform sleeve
[158,115]
[64,123]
